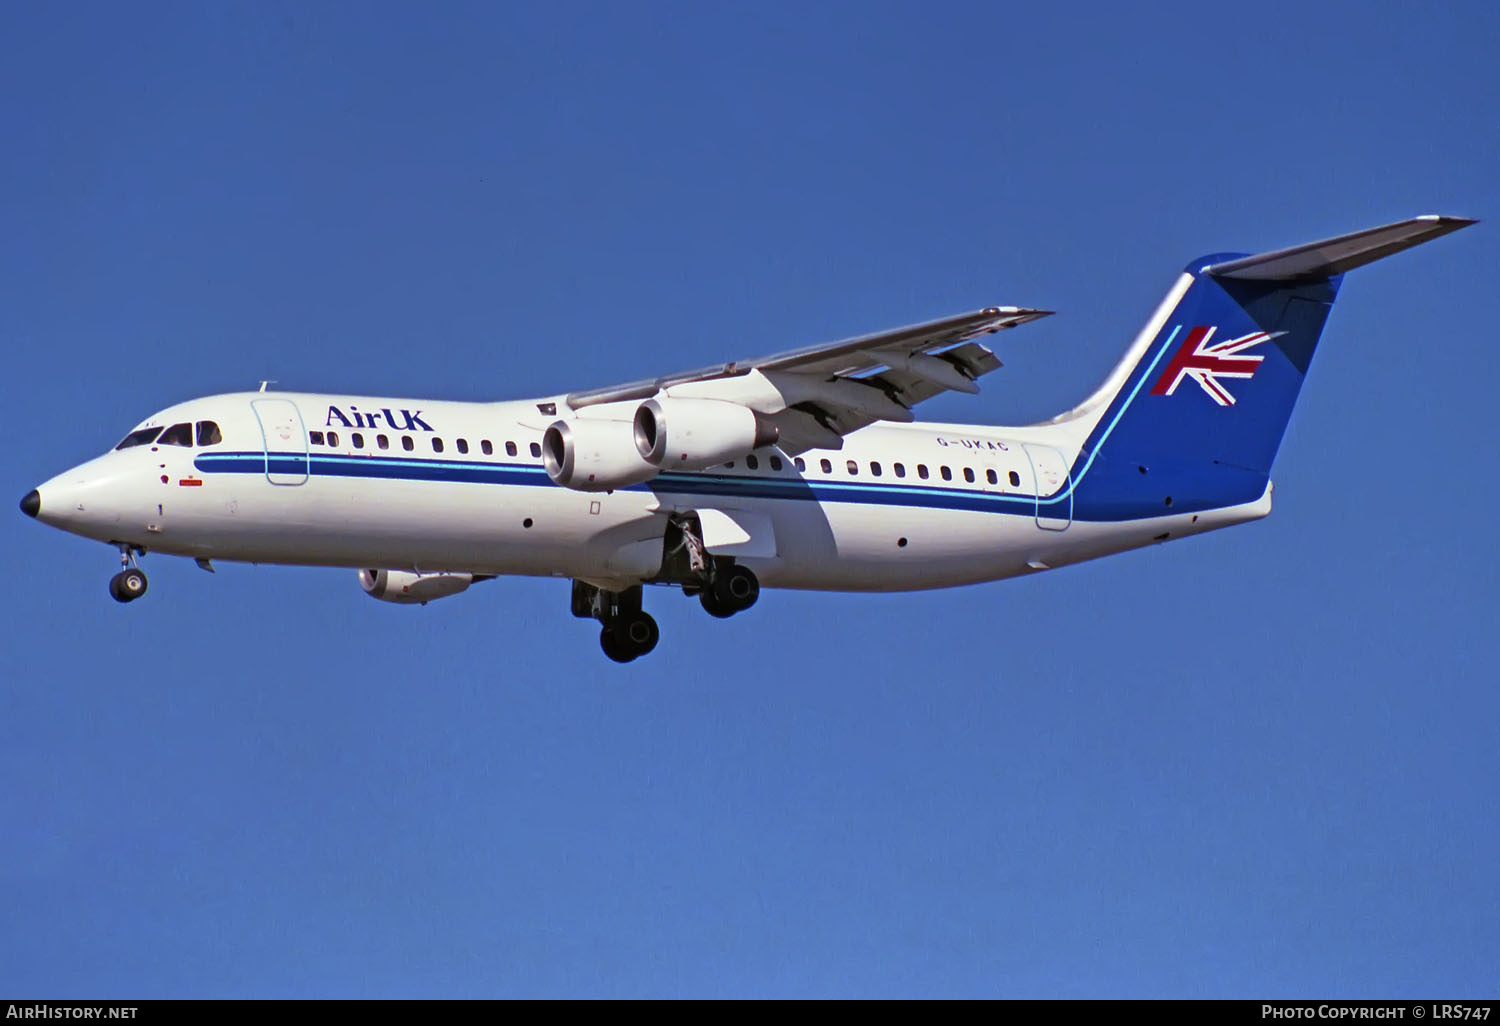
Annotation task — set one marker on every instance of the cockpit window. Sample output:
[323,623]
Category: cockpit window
[145,436]
[208,433]
[177,434]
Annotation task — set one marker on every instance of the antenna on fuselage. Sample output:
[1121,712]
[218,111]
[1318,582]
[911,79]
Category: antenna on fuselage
[263,385]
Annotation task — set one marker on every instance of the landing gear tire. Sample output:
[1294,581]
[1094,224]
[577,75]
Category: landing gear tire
[738,588]
[611,646]
[127,585]
[638,632]
[629,637]
[712,607]
[733,590]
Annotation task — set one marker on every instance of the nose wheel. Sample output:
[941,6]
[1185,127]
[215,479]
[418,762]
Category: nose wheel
[127,585]
[130,583]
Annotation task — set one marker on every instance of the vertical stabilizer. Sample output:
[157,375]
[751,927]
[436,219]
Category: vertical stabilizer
[1194,415]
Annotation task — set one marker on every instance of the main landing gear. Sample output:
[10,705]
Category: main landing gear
[723,587]
[730,589]
[130,583]
[627,631]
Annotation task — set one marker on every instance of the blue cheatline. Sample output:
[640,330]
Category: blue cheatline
[1188,432]
[702,484]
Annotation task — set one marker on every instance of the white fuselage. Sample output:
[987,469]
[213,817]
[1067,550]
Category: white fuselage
[899,507]
[800,469]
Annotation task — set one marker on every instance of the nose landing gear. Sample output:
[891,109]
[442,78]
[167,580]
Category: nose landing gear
[130,583]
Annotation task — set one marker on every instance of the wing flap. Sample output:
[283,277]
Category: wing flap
[809,426]
[869,351]
[944,339]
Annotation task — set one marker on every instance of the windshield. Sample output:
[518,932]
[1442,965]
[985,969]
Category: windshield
[145,436]
[177,434]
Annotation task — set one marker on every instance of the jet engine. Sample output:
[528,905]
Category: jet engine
[691,434]
[593,455]
[408,588]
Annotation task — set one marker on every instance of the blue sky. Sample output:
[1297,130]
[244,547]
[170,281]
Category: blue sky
[1261,762]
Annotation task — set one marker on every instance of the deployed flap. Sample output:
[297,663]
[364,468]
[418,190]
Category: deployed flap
[1339,254]
[942,339]
[816,395]
[737,533]
[820,421]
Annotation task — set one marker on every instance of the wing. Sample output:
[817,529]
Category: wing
[817,395]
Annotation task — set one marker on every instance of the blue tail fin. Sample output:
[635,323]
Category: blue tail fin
[1193,418]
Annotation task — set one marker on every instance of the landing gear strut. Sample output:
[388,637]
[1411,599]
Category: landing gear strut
[627,632]
[722,586]
[130,583]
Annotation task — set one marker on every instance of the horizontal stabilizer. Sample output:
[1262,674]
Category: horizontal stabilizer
[1342,253]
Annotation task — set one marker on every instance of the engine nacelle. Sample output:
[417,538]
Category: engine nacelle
[593,455]
[691,434]
[408,588]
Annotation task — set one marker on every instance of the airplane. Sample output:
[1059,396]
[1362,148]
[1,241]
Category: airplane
[805,469]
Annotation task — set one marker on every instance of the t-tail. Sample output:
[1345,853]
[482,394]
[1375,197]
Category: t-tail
[1192,417]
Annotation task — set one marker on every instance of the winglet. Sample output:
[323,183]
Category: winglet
[1325,258]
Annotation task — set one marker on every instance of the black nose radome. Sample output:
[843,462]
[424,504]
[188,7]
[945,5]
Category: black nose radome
[32,504]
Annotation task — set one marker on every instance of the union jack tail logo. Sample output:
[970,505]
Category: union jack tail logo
[1206,364]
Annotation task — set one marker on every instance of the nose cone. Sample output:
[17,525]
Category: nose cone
[32,504]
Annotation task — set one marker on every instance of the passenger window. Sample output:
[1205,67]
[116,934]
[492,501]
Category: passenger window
[208,433]
[510,448]
[357,440]
[853,467]
[486,448]
[945,473]
[315,437]
[922,471]
[752,462]
[969,474]
[333,438]
[899,469]
[437,445]
[536,450]
[991,477]
[801,464]
[144,436]
[775,462]
[826,466]
[463,446]
[177,434]
[874,469]
[407,443]
[382,441]
[1015,479]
